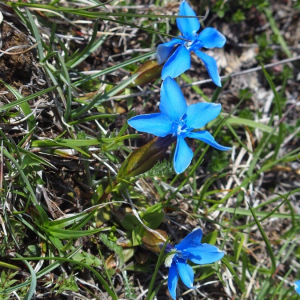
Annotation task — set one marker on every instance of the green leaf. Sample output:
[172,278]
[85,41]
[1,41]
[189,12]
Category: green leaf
[67,234]
[33,282]
[43,272]
[41,217]
[114,247]
[279,110]
[87,258]
[246,212]
[250,123]
[235,276]
[61,260]
[88,50]
[9,266]
[66,284]
[276,31]
[114,68]
[210,238]
[27,184]
[238,245]
[266,240]
[25,107]
[65,222]
[153,219]
[99,99]
[22,99]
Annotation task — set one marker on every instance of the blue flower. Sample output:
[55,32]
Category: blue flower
[190,248]
[180,61]
[178,119]
[297,286]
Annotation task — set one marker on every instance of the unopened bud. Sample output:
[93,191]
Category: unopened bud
[148,71]
[144,158]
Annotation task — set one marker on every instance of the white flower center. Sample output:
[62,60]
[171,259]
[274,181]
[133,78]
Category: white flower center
[169,259]
[188,44]
[180,128]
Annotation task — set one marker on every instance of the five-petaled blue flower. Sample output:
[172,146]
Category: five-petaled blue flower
[190,248]
[180,61]
[178,119]
[297,286]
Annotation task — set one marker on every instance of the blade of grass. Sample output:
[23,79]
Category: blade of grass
[235,276]
[65,74]
[23,99]
[160,259]
[92,14]
[102,98]
[276,31]
[41,273]
[62,260]
[90,48]
[33,280]
[114,68]
[26,182]
[91,118]
[249,123]
[279,110]
[266,240]
[36,34]
[9,266]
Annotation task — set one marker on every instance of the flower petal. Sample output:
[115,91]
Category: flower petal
[188,26]
[173,280]
[165,50]
[199,114]
[297,286]
[183,155]
[203,254]
[211,67]
[193,239]
[157,124]
[178,63]
[185,272]
[207,138]
[211,38]
[172,102]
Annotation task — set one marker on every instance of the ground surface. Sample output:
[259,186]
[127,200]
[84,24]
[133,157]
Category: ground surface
[64,102]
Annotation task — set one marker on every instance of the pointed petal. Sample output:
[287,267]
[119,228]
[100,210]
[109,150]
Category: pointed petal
[172,102]
[173,280]
[157,124]
[211,67]
[207,138]
[199,114]
[185,272]
[203,254]
[183,156]
[297,286]
[188,26]
[211,38]
[193,239]
[165,50]
[178,63]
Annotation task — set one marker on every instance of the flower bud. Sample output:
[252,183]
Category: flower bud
[148,71]
[144,158]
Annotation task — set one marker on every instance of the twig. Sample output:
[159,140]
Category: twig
[16,53]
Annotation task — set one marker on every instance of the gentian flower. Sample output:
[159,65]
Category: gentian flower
[190,248]
[178,119]
[180,61]
[297,286]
